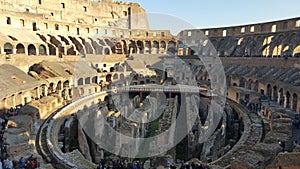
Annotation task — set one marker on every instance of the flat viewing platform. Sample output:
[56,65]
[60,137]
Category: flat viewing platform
[162,88]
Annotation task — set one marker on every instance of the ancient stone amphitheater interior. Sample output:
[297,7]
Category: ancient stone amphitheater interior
[77,74]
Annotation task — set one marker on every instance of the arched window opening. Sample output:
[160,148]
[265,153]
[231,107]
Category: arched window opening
[42,50]
[20,49]
[31,50]
[8,48]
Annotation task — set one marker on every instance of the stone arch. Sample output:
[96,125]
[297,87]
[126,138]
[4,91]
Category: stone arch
[288,100]
[31,49]
[293,38]
[87,80]
[80,82]
[8,48]
[43,90]
[155,47]
[116,76]
[171,47]
[122,77]
[20,48]
[59,86]
[42,50]
[132,47]
[140,46]
[294,102]
[281,97]
[66,84]
[275,93]
[242,82]
[269,92]
[106,51]
[51,88]
[118,48]
[94,79]
[108,78]
[249,84]
[163,45]
[111,69]
[52,49]
[148,47]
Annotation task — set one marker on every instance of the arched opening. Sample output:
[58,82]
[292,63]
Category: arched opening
[140,46]
[87,80]
[116,76]
[269,92]
[242,83]
[108,78]
[281,98]
[31,49]
[80,82]
[132,47]
[162,46]
[59,86]
[275,93]
[42,50]
[94,80]
[288,100]
[66,84]
[155,47]
[122,76]
[20,48]
[52,49]
[8,48]
[118,48]
[294,102]
[106,51]
[171,47]
[249,84]
[51,88]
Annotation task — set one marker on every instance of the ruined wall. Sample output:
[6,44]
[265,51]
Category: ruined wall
[106,13]
[272,39]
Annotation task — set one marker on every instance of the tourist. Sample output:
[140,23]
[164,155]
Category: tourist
[22,163]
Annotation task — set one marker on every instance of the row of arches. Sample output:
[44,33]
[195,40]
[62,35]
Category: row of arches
[148,47]
[282,97]
[20,48]
[275,93]
[70,45]
[62,88]
[275,45]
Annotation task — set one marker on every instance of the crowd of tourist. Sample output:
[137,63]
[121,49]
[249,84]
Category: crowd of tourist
[118,164]
[29,163]
[124,164]
[193,165]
